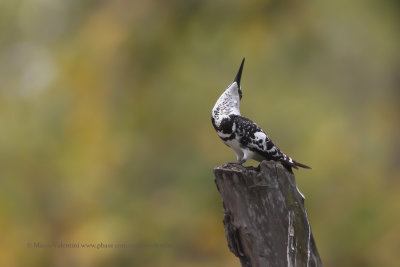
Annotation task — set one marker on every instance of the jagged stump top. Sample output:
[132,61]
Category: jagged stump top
[265,221]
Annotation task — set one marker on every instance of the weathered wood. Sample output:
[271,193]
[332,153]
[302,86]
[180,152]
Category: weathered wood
[265,221]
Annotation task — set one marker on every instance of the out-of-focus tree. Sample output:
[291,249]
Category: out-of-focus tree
[105,108]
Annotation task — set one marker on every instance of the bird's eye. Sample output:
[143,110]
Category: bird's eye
[240,93]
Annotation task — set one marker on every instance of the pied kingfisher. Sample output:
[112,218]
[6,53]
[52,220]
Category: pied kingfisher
[247,140]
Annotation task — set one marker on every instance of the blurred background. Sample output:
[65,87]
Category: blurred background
[105,108]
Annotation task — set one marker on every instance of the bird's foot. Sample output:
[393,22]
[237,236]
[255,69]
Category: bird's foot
[240,162]
[236,163]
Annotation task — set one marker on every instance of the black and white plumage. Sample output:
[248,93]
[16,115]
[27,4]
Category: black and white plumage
[247,140]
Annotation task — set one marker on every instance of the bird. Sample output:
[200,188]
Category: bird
[245,137]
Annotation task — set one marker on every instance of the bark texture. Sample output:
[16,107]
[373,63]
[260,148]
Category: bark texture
[265,221]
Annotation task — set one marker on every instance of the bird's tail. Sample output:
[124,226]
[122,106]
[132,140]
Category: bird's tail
[290,163]
[298,164]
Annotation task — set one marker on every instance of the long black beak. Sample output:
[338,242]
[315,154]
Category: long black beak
[239,74]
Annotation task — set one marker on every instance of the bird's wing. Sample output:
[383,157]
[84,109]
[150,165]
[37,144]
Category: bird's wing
[251,136]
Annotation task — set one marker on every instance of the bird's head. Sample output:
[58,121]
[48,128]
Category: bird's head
[234,88]
[228,103]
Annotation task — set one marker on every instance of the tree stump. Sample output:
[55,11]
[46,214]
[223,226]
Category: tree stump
[265,221]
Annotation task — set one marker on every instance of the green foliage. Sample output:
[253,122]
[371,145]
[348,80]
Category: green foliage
[106,105]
